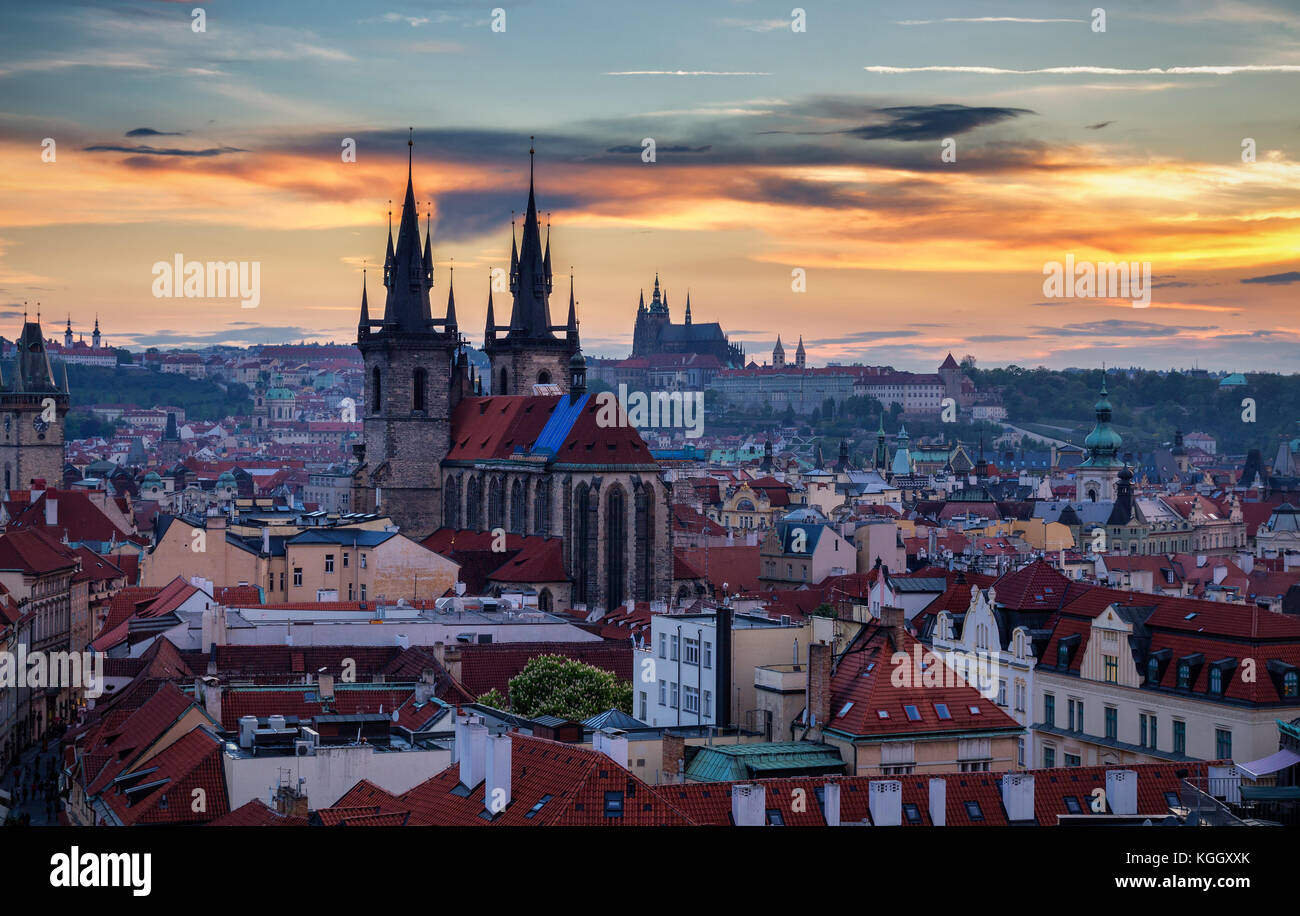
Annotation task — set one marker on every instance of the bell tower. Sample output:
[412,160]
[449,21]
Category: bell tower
[416,374]
[33,406]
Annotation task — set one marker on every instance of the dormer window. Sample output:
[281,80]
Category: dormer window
[1153,670]
[1184,675]
[1216,681]
[1291,684]
[1062,655]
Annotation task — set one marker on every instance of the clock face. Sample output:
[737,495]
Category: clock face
[40,424]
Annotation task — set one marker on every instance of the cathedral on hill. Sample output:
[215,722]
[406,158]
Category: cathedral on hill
[441,455]
[655,333]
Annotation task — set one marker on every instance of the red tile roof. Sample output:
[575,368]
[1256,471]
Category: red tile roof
[490,666]
[487,428]
[256,813]
[192,762]
[551,783]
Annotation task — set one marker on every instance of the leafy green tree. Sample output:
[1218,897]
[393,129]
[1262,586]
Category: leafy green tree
[494,699]
[552,685]
[824,610]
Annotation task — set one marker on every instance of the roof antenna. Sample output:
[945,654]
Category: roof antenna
[410,150]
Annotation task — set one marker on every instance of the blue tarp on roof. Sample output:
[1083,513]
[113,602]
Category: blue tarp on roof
[558,426]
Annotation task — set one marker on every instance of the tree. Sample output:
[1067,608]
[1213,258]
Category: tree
[824,610]
[552,685]
[494,699]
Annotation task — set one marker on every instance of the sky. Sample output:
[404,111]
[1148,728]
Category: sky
[779,153]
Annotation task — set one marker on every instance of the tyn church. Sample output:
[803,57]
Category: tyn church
[440,454]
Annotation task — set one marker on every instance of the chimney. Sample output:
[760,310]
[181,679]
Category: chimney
[933,543]
[51,511]
[1121,791]
[748,805]
[1018,796]
[424,689]
[674,751]
[496,795]
[612,743]
[819,683]
[938,802]
[1220,573]
[266,541]
[473,757]
[247,725]
[885,800]
[325,686]
[461,724]
[831,803]
[891,619]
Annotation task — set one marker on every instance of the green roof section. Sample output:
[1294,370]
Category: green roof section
[729,762]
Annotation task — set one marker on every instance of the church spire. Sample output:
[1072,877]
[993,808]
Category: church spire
[410,278]
[530,316]
[572,327]
[688,306]
[547,259]
[490,331]
[450,324]
[364,328]
[514,255]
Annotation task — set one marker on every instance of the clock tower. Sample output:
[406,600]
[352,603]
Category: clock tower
[33,406]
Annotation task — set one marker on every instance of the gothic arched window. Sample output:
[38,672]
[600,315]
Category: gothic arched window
[542,508]
[518,507]
[505,388]
[375,398]
[616,546]
[584,546]
[420,383]
[474,503]
[496,503]
[451,503]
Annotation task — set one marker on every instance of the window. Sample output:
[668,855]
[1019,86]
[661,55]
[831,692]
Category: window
[1112,723]
[1072,804]
[1076,715]
[1002,693]
[1020,752]
[297,577]
[708,703]
[974,766]
[345,560]
[1222,744]
[642,717]
[663,693]
[1180,737]
[941,709]
[692,651]
[538,807]
[281,581]
[1073,760]
[1049,709]
[1020,696]
[1216,681]
[1184,675]
[912,813]
[613,804]
[1049,757]
[663,645]
[363,561]
[691,698]
[329,562]
[363,591]
[913,714]
[1290,684]
[973,811]
[672,695]
[708,655]
[774,818]
[1062,655]
[1112,668]
[1153,671]
[672,648]
[349,591]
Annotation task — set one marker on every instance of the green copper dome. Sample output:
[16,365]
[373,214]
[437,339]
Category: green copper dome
[1103,443]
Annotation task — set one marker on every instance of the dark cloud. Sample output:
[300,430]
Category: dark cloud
[234,334]
[628,148]
[150,132]
[1119,327]
[1099,125]
[155,151]
[1276,279]
[1172,284]
[472,214]
[915,122]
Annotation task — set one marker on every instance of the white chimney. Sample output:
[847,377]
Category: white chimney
[276,722]
[938,802]
[325,686]
[748,805]
[247,725]
[1247,562]
[51,511]
[831,803]
[1122,791]
[266,540]
[496,795]
[1220,573]
[612,743]
[885,800]
[461,726]
[1018,796]
[473,759]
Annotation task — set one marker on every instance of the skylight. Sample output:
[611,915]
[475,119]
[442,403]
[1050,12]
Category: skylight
[974,710]
[883,713]
[844,711]
[942,710]
[913,713]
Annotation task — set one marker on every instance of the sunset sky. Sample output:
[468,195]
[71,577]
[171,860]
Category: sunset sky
[776,150]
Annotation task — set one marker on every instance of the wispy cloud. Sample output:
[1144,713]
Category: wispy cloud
[1206,69]
[984,19]
[687,73]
